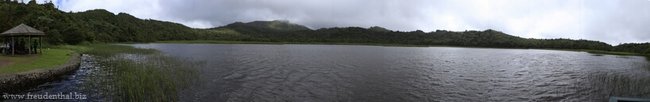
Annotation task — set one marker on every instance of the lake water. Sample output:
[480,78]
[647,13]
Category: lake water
[250,72]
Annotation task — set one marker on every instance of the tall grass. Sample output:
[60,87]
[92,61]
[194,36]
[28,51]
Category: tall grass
[143,74]
[620,85]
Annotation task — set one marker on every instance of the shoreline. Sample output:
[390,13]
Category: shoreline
[17,82]
[388,45]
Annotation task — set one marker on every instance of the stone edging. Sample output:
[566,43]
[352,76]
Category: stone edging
[12,83]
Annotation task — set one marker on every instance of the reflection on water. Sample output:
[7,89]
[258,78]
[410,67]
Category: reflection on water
[374,73]
[234,72]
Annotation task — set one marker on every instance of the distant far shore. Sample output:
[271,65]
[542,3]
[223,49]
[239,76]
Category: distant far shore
[380,44]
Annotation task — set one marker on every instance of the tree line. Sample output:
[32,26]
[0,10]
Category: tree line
[89,26]
[103,26]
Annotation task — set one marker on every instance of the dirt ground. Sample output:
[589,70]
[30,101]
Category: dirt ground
[5,62]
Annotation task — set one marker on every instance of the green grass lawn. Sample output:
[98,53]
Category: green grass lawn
[50,58]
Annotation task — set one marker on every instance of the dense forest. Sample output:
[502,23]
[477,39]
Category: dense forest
[103,26]
[89,26]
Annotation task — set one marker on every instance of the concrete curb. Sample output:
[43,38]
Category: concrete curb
[13,83]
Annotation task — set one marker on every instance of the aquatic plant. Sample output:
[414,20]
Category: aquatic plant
[142,74]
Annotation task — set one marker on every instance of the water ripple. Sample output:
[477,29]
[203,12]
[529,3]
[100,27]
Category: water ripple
[371,73]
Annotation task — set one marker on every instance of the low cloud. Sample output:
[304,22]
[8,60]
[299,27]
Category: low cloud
[612,21]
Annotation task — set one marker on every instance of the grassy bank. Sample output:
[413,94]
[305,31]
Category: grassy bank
[613,53]
[132,74]
[50,58]
[143,75]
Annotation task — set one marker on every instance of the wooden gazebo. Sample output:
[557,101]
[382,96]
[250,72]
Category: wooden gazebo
[22,39]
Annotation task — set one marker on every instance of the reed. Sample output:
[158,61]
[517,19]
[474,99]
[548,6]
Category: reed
[142,74]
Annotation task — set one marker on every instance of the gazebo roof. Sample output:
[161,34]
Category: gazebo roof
[22,30]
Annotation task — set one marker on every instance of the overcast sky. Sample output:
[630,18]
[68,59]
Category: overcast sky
[611,21]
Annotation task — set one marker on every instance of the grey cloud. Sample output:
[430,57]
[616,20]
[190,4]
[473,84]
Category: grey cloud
[395,14]
[612,21]
[620,21]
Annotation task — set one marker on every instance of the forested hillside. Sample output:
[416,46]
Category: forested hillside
[487,38]
[89,26]
[103,26]
[643,48]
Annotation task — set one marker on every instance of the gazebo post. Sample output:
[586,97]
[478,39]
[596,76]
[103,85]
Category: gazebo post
[4,43]
[40,44]
[25,34]
[5,50]
[13,45]
[29,43]
[32,47]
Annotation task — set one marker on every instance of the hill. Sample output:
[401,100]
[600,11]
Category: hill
[266,26]
[90,26]
[103,26]
[378,35]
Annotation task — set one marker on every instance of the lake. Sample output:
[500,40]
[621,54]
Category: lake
[252,72]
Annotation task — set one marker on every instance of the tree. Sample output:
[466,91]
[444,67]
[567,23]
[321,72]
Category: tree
[32,3]
[103,26]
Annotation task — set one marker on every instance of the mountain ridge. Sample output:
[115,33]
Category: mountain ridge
[103,26]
